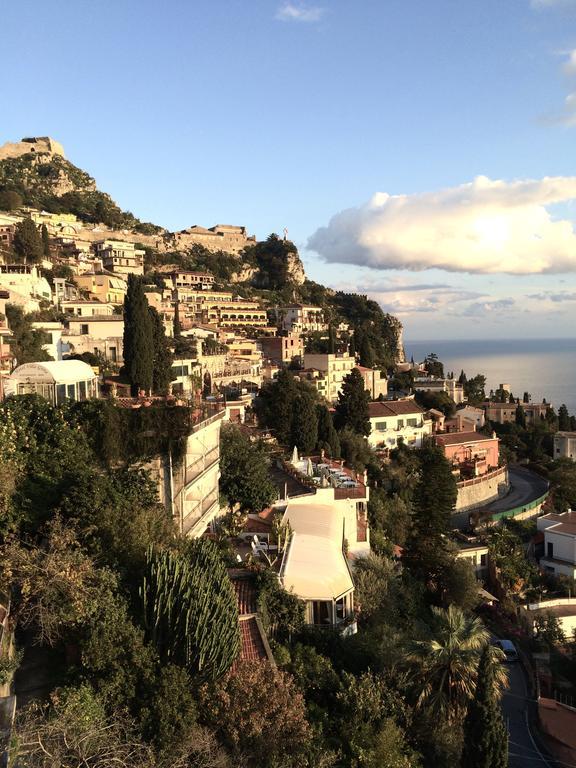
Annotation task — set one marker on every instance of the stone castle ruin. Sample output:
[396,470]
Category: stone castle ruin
[32,144]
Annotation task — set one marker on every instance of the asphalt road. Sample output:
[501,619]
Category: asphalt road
[523,750]
[525,487]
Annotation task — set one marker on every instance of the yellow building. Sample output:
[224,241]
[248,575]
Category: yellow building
[107,288]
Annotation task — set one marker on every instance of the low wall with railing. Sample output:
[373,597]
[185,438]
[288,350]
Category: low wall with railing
[480,490]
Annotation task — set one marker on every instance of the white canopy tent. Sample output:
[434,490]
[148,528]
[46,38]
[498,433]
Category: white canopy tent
[56,380]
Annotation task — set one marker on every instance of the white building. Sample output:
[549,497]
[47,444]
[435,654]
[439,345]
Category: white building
[120,257]
[451,387]
[559,543]
[86,308]
[57,381]
[99,335]
[334,367]
[300,318]
[565,445]
[25,284]
[392,420]
[473,414]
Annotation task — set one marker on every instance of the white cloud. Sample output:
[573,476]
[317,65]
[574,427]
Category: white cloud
[488,308]
[557,298]
[483,227]
[570,64]
[299,12]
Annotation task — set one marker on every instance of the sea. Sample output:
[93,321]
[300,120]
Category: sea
[544,367]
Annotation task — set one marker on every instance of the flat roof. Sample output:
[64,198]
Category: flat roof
[315,566]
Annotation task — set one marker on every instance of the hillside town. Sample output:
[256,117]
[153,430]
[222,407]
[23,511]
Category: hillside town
[273,504]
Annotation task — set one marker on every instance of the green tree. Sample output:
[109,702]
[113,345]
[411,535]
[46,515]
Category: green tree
[260,717]
[138,338]
[445,663]
[45,241]
[520,417]
[433,501]
[367,357]
[189,608]
[327,436]
[27,242]
[275,405]
[26,342]
[474,389]
[352,406]
[56,586]
[563,419]
[304,433]
[177,328]
[162,361]
[76,730]
[485,736]
[244,479]
[434,366]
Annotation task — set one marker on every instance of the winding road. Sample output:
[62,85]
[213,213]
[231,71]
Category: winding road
[524,751]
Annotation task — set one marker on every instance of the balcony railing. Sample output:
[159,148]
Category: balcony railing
[201,464]
[202,508]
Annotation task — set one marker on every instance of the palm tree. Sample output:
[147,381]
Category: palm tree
[445,663]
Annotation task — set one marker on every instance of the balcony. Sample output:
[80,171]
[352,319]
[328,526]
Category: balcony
[202,463]
[199,511]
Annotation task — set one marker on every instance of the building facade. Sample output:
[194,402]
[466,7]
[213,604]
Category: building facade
[395,421]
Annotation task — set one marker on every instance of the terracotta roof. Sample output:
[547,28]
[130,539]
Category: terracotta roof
[393,408]
[251,645]
[455,438]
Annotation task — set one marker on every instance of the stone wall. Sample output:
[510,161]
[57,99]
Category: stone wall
[482,490]
[40,144]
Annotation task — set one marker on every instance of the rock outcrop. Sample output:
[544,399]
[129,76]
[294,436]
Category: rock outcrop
[36,144]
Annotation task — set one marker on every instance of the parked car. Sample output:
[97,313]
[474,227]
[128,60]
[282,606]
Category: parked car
[509,649]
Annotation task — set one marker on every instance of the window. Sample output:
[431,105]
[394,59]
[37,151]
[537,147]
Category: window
[400,424]
[483,560]
[321,612]
[82,390]
[549,549]
[71,391]
[341,609]
[84,329]
[60,393]
[113,354]
[381,426]
[412,422]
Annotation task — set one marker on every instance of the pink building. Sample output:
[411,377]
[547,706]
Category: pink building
[471,452]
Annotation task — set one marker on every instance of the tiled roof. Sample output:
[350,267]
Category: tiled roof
[393,408]
[456,438]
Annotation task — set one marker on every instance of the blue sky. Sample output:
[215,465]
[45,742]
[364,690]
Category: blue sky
[281,114]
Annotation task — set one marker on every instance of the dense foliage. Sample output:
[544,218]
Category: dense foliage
[190,610]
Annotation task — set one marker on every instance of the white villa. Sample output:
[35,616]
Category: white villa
[392,420]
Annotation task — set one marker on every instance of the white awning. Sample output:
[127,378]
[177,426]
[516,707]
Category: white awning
[315,567]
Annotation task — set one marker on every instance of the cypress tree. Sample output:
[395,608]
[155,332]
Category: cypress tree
[138,338]
[45,242]
[27,242]
[304,433]
[485,737]
[177,324]
[433,501]
[366,352]
[563,419]
[331,340]
[327,436]
[162,361]
[352,406]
